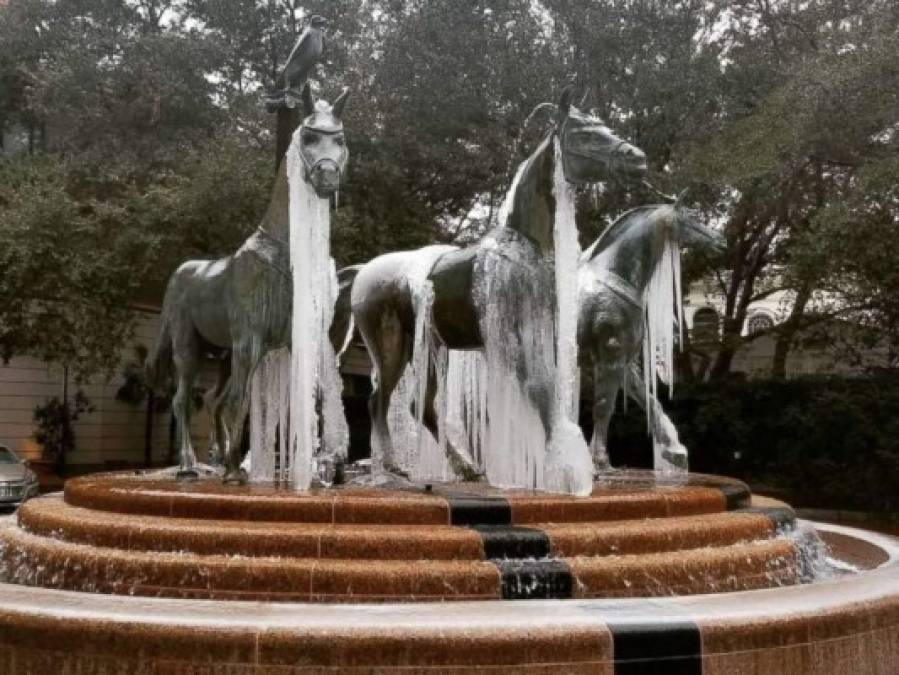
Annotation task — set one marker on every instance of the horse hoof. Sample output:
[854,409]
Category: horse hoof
[678,459]
[600,472]
[396,472]
[238,477]
[187,476]
[472,475]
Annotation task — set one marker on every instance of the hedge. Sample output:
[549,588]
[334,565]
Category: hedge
[823,442]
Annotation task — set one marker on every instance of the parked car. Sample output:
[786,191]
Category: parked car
[17,481]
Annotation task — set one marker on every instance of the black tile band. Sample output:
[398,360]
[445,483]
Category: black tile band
[476,510]
[736,496]
[535,579]
[783,517]
[657,648]
[504,542]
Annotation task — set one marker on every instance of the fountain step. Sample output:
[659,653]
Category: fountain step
[35,560]
[52,517]
[624,496]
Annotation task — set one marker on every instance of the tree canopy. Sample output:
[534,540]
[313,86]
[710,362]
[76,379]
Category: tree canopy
[144,142]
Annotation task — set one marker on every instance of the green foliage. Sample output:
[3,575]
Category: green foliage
[150,146]
[69,268]
[54,421]
[826,442]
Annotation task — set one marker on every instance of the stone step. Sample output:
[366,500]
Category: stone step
[52,517]
[35,560]
[424,505]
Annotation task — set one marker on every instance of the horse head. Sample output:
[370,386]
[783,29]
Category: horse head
[690,232]
[591,152]
[322,145]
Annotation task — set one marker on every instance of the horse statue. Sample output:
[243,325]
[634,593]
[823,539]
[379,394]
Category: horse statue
[387,300]
[629,287]
[240,306]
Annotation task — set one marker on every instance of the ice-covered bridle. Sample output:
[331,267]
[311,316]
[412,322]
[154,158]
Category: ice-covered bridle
[312,166]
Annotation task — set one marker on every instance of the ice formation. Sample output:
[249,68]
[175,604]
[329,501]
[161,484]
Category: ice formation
[300,394]
[569,464]
[662,311]
[515,403]
[314,376]
[268,418]
[414,447]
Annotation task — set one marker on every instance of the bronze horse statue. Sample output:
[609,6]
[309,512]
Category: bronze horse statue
[240,306]
[613,276]
[384,302]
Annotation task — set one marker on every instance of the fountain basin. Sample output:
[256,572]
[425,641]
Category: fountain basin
[369,603]
[636,535]
[847,625]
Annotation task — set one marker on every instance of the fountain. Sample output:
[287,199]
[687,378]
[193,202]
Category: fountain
[530,564]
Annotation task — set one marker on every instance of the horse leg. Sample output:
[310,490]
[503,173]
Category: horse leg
[461,463]
[235,410]
[606,383]
[664,434]
[186,359]
[216,405]
[390,347]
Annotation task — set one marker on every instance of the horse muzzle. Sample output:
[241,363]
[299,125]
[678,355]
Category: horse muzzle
[325,177]
[630,161]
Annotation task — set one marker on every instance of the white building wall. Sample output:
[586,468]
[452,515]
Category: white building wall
[113,432]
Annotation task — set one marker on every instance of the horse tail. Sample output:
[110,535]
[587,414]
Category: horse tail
[343,326]
[158,367]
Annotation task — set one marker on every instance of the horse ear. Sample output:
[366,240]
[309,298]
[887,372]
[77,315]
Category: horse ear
[565,101]
[337,108]
[308,105]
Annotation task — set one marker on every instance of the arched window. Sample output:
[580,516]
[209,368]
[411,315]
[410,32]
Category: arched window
[758,323]
[705,326]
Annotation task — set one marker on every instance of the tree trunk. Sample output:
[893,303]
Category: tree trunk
[683,359]
[730,342]
[787,333]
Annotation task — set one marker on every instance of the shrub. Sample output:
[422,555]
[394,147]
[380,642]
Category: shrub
[828,442]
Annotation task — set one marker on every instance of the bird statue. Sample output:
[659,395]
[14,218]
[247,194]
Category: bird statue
[305,54]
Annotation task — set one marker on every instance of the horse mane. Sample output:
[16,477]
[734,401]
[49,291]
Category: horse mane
[661,299]
[610,235]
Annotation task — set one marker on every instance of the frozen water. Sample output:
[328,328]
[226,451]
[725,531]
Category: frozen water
[462,402]
[517,327]
[268,401]
[313,372]
[663,310]
[516,402]
[413,268]
[569,464]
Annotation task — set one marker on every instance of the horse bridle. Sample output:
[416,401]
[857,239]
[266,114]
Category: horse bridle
[310,167]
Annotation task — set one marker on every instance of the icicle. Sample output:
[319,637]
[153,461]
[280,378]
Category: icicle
[663,309]
[484,392]
[569,466]
[313,363]
[266,404]
[513,277]
[418,452]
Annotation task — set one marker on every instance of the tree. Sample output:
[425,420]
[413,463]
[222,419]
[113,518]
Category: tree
[803,105]
[69,270]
